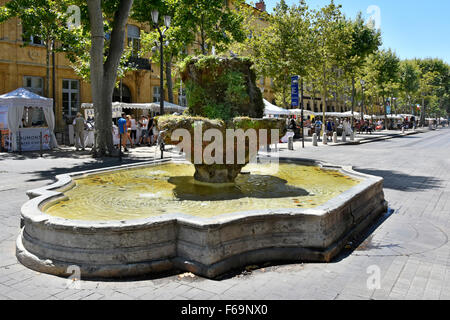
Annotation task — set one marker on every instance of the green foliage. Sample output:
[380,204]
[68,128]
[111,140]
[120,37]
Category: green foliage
[221,88]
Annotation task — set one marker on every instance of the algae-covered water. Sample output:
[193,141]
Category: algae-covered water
[170,188]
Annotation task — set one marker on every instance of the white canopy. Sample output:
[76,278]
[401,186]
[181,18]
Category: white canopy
[298,112]
[17,100]
[155,107]
[337,114]
[271,109]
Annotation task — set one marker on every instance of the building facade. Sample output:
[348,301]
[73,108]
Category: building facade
[23,63]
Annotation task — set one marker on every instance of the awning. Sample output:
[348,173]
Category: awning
[298,112]
[271,109]
[155,107]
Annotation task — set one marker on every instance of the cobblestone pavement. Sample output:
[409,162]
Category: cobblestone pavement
[409,247]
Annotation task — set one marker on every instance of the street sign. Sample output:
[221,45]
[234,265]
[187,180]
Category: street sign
[295,97]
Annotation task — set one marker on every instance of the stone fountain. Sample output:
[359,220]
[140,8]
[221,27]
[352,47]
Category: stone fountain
[184,225]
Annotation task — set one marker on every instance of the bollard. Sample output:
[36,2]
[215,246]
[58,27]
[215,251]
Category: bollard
[1,141]
[325,139]
[314,139]
[291,143]
[335,137]
[352,136]
[403,130]
[162,147]
[344,137]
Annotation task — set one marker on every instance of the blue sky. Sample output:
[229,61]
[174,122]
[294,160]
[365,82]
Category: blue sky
[412,28]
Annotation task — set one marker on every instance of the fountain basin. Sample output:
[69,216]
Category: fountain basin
[207,247]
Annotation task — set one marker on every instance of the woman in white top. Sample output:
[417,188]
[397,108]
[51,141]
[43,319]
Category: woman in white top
[133,128]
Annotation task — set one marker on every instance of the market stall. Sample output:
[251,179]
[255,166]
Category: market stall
[152,109]
[298,112]
[272,111]
[28,121]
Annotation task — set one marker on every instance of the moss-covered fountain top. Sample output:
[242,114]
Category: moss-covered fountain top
[222,96]
[221,88]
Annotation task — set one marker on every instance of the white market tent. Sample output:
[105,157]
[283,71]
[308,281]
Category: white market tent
[15,103]
[118,107]
[272,110]
[298,112]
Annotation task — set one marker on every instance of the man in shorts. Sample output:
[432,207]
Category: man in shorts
[143,123]
[123,130]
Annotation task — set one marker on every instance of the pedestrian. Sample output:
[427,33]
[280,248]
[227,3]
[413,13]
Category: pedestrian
[318,128]
[79,125]
[143,123]
[329,129]
[133,133]
[123,132]
[129,131]
[150,130]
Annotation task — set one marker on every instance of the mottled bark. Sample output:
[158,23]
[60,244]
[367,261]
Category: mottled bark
[104,74]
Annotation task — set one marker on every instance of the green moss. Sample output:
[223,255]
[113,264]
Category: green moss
[221,88]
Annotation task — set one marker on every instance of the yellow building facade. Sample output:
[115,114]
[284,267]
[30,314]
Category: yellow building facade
[24,64]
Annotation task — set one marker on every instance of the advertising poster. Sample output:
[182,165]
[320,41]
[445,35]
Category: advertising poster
[30,139]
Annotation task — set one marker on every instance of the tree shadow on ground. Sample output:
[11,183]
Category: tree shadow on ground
[403,182]
[89,164]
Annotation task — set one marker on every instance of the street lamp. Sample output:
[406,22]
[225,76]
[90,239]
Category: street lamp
[167,22]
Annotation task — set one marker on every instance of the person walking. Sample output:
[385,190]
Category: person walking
[129,131]
[330,129]
[143,123]
[79,124]
[123,131]
[133,132]
[318,128]
[150,126]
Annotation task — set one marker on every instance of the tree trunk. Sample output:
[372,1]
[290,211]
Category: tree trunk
[54,76]
[47,80]
[203,41]
[353,94]
[104,74]
[324,103]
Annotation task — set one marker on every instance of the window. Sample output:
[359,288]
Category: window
[71,97]
[156,94]
[134,40]
[32,39]
[182,101]
[34,84]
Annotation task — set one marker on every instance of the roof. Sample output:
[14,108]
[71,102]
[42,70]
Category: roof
[24,98]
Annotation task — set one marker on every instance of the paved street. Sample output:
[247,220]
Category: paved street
[409,247]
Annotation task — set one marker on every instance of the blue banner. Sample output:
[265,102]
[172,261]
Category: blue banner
[295,98]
